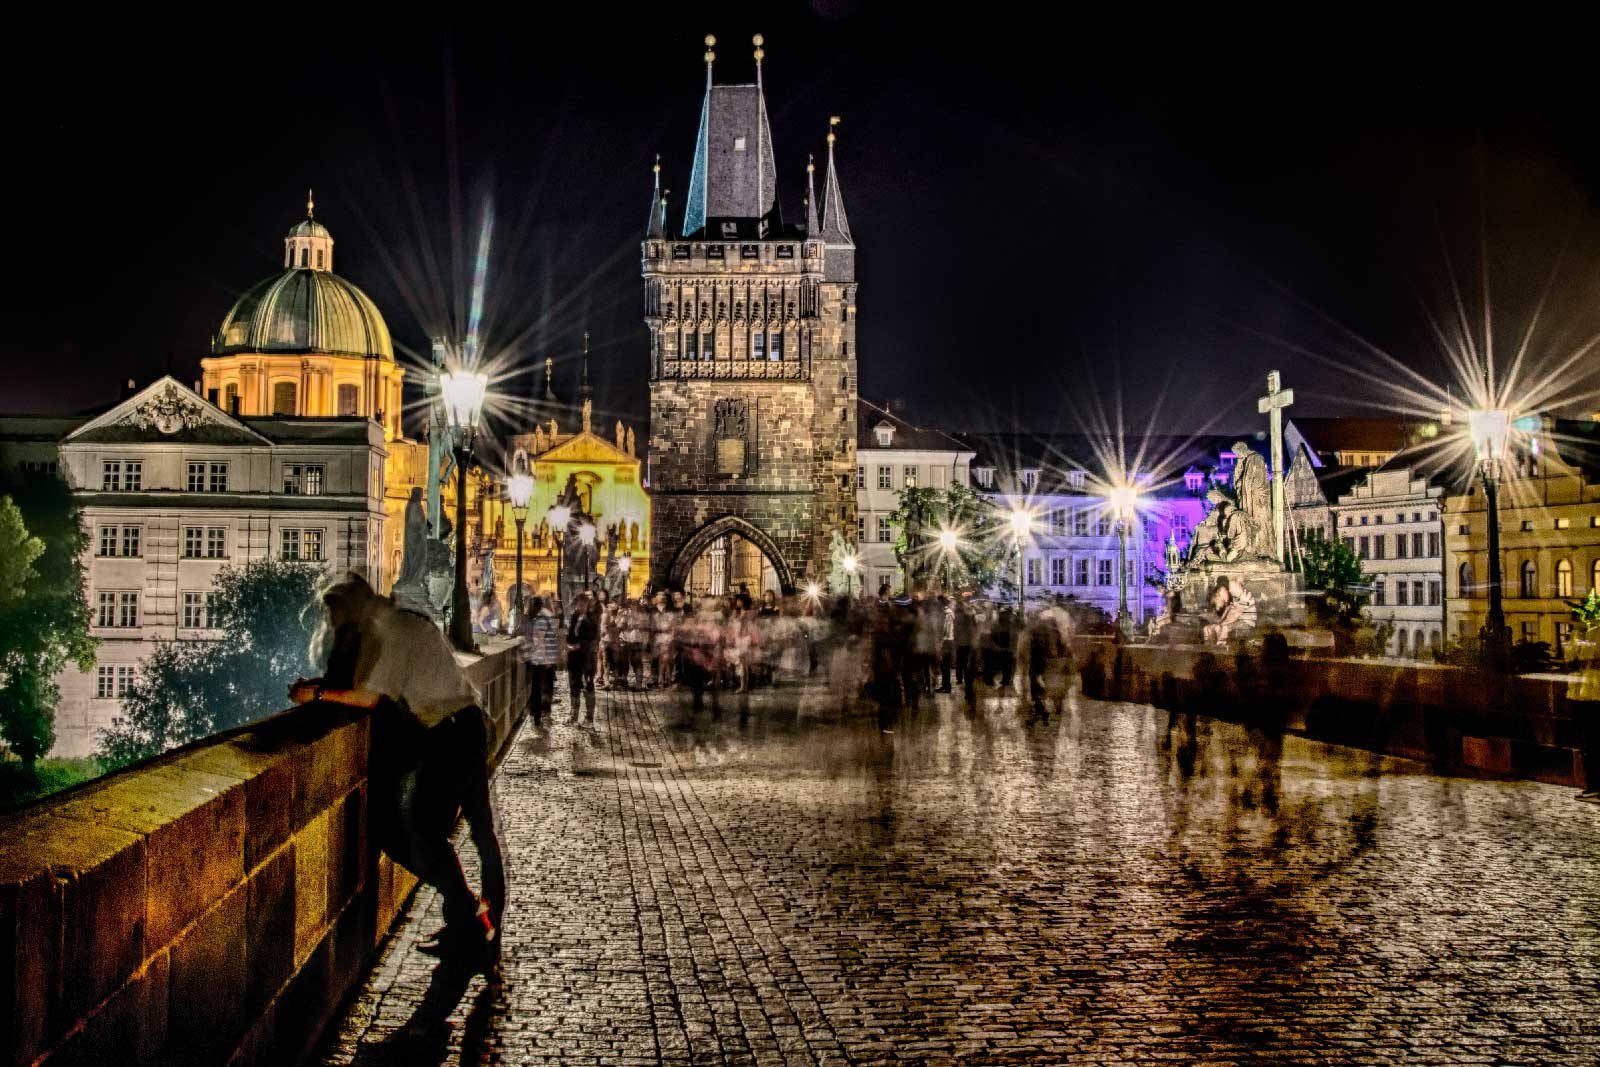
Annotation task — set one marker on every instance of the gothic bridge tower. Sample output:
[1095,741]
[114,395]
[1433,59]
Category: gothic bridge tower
[752,362]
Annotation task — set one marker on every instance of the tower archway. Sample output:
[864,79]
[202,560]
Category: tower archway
[727,552]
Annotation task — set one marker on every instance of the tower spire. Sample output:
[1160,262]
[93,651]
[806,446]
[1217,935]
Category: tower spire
[811,196]
[835,226]
[694,209]
[657,224]
[761,125]
[311,206]
[549,375]
[585,390]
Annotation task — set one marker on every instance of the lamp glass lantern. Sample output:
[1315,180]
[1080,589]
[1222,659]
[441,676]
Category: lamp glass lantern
[1491,431]
[463,394]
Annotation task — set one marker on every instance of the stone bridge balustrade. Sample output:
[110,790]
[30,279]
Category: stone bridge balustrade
[178,910]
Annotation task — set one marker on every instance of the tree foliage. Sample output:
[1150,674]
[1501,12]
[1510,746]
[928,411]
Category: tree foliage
[1330,568]
[18,551]
[268,613]
[45,625]
[983,557]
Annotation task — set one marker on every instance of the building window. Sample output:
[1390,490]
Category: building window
[1465,583]
[289,544]
[1434,593]
[118,610]
[1378,590]
[1416,544]
[113,682]
[885,477]
[1080,522]
[883,529]
[861,477]
[1362,544]
[1035,570]
[1400,546]
[119,541]
[1030,479]
[197,477]
[984,476]
[861,529]
[349,400]
[283,398]
[1058,521]
[1530,632]
[305,256]
[217,477]
[758,345]
[119,475]
[1081,572]
[1594,576]
[1193,481]
[302,479]
[1075,479]
[199,611]
[1102,525]
[1416,595]
[230,399]
[1433,545]
[1378,543]
[1530,580]
[1564,578]
[1058,571]
[910,477]
[1104,575]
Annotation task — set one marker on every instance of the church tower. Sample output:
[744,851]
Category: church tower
[752,361]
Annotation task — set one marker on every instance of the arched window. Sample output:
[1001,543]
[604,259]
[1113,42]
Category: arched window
[1465,584]
[1435,639]
[288,256]
[283,398]
[1564,578]
[633,537]
[305,256]
[349,400]
[1530,580]
[319,259]
[230,402]
[1417,647]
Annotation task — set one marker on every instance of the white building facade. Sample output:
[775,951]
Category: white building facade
[1393,523]
[172,489]
[891,455]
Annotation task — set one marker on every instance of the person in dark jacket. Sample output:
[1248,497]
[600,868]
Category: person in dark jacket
[583,644]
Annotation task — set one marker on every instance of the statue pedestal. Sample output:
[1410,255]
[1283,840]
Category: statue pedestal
[1272,597]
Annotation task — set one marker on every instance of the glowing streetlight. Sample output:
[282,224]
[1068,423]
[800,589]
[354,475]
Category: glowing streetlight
[1021,520]
[1123,503]
[519,487]
[462,394]
[850,564]
[557,517]
[948,540]
[1491,433]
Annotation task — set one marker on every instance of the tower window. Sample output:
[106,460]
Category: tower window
[305,257]
[319,259]
[283,398]
[349,400]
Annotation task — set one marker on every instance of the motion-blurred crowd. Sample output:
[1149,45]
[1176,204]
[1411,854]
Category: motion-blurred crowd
[892,650]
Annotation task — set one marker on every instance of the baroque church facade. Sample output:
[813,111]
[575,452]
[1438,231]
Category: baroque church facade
[752,324]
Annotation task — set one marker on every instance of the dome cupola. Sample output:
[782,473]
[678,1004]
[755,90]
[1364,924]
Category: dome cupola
[309,245]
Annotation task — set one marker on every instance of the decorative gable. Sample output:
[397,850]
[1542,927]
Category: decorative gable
[166,410]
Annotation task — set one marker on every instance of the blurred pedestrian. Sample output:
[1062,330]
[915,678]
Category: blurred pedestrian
[541,651]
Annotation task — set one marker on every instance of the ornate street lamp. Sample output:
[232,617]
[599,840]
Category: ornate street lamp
[519,487]
[1491,432]
[1021,527]
[850,564]
[948,539]
[1123,501]
[462,393]
[558,516]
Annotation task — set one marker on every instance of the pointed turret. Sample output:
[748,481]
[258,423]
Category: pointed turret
[812,229]
[549,384]
[656,227]
[585,390]
[835,225]
[732,184]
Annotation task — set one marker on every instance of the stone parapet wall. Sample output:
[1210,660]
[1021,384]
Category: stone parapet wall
[1458,720]
[214,905]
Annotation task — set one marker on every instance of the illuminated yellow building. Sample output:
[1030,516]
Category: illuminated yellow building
[606,474]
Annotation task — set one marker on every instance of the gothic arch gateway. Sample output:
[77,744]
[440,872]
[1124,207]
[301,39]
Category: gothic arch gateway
[721,535]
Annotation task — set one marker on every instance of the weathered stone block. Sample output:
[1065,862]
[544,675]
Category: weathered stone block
[207,1014]
[310,885]
[130,1028]
[193,824]
[337,764]
[270,929]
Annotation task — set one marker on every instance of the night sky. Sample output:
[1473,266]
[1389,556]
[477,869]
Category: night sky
[1051,216]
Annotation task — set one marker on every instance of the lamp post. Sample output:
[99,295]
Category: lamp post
[462,393]
[1123,502]
[1021,525]
[947,547]
[558,516]
[1491,430]
[850,565]
[519,487]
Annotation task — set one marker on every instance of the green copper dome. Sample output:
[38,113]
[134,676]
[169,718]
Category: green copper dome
[309,228]
[305,310]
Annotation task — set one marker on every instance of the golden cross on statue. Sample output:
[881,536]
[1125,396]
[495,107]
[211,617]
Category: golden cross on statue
[1272,406]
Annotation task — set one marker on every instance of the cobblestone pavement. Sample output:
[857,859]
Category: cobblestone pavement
[794,886]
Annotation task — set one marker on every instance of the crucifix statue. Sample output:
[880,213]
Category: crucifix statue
[1272,405]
